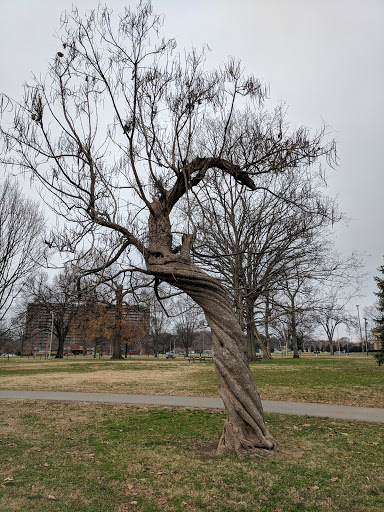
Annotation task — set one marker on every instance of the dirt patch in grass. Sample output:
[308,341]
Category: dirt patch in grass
[154,381]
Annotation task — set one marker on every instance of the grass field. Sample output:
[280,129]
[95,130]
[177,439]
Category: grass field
[348,380]
[64,457]
[87,457]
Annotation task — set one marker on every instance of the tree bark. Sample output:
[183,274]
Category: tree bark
[253,335]
[263,348]
[116,342]
[295,345]
[266,330]
[251,339]
[251,349]
[244,432]
[60,348]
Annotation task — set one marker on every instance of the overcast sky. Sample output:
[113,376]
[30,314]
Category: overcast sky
[323,58]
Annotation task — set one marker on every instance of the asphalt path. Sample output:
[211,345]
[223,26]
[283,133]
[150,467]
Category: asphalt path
[343,412]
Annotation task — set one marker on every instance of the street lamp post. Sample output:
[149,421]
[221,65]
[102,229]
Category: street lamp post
[361,335]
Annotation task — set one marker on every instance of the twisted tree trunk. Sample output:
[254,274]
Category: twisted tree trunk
[244,432]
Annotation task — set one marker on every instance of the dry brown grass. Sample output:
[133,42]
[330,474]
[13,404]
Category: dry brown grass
[176,380]
[346,380]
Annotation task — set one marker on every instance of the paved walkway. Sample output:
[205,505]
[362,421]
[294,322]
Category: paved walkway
[297,408]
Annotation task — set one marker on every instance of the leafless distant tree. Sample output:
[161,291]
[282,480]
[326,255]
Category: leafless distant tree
[253,241]
[111,284]
[122,130]
[58,298]
[188,322]
[332,310]
[317,291]
[159,337]
[21,242]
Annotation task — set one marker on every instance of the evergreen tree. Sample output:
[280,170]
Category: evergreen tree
[380,317]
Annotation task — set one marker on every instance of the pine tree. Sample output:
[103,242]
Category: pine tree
[380,316]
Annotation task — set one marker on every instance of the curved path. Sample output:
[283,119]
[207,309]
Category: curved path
[270,406]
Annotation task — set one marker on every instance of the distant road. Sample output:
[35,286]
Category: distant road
[343,412]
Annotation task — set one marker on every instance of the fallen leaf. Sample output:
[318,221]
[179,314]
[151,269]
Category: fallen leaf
[334,479]
[306,425]
[129,486]
[344,434]
[8,479]
[50,497]
[315,487]
[133,502]
[295,427]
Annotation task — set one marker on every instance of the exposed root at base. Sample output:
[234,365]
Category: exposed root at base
[249,451]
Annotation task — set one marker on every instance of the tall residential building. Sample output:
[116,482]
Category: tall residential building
[80,320]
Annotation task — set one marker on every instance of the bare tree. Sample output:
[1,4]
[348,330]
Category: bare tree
[379,317]
[121,132]
[331,312]
[108,283]
[57,300]
[253,241]
[21,242]
[317,291]
[158,338]
[189,321]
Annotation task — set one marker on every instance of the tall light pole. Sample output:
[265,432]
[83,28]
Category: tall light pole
[361,336]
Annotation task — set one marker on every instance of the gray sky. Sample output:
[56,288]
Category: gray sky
[323,58]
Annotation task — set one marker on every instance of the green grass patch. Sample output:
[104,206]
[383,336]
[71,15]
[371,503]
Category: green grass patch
[342,380]
[348,380]
[102,457]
